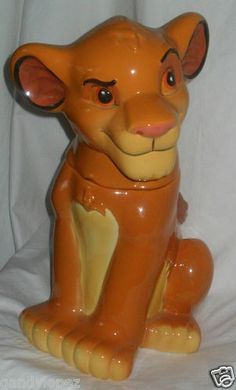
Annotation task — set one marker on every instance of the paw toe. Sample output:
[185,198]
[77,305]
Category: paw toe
[84,352]
[122,364]
[40,331]
[69,345]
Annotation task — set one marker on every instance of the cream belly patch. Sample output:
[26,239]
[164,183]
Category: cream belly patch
[98,236]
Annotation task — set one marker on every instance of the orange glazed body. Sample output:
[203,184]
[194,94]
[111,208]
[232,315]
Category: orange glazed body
[122,276]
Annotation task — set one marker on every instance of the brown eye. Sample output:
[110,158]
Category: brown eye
[170,79]
[105,96]
[169,82]
[102,96]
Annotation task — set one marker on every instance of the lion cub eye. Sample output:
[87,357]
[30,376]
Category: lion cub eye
[171,74]
[105,96]
[170,78]
[101,93]
[170,81]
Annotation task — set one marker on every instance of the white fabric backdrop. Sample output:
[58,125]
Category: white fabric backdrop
[31,146]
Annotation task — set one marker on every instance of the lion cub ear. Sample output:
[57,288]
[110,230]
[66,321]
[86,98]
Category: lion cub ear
[190,35]
[39,73]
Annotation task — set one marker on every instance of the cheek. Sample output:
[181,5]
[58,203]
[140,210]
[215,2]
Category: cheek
[180,101]
[91,121]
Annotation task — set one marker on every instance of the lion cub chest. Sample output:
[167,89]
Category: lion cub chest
[97,236]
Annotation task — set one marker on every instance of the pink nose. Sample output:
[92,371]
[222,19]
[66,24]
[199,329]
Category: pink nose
[154,130]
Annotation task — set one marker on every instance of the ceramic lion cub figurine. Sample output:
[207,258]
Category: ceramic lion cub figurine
[123,278]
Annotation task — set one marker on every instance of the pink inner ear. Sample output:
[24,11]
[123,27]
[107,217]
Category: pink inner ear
[39,84]
[195,55]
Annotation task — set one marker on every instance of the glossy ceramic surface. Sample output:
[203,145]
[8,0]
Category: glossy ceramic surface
[123,277]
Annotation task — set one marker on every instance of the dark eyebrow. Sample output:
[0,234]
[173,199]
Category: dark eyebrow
[100,82]
[168,52]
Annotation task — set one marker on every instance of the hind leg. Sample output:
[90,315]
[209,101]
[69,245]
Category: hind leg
[174,329]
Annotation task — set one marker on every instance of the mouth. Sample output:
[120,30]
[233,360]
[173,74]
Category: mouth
[152,148]
[149,163]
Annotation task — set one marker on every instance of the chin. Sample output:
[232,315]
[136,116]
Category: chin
[145,167]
